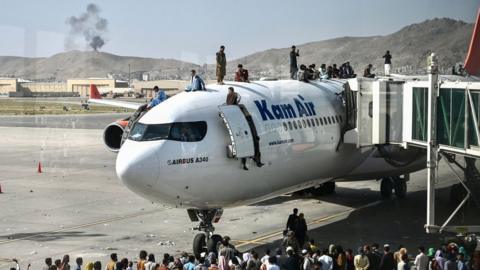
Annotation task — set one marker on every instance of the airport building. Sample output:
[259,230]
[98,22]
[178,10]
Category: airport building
[8,85]
[170,86]
[15,87]
[82,86]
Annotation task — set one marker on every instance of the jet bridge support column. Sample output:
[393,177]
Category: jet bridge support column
[432,146]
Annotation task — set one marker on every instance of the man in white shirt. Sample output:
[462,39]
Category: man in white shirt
[264,259]
[272,263]
[421,261]
[326,260]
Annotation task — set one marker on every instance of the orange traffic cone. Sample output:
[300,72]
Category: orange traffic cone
[39,169]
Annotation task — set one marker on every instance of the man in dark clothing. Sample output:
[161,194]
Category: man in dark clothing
[241,75]
[367,73]
[221,65]
[376,257]
[387,262]
[293,62]
[292,221]
[388,62]
[292,261]
[301,230]
[350,71]
[302,74]
[373,258]
[232,97]
[48,264]
[335,71]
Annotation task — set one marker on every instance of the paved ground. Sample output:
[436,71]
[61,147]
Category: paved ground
[77,205]
[76,121]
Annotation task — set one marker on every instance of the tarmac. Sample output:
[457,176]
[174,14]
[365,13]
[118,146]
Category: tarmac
[77,205]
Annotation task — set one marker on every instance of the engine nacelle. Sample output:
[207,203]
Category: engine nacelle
[113,133]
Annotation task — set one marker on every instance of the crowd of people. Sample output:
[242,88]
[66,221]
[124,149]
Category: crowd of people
[310,257]
[296,252]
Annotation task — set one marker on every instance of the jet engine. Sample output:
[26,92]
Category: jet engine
[113,134]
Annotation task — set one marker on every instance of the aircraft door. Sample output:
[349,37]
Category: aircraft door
[241,137]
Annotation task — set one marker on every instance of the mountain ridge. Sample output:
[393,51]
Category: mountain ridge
[448,38]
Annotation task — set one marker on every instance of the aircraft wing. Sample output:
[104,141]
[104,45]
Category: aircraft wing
[95,97]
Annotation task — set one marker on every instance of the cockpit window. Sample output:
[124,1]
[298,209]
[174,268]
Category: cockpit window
[181,131]
[188,131]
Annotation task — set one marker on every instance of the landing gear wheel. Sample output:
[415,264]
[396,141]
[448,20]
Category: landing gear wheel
[199,245]
[400,187]
[212,243]
[329,187]
[386,187]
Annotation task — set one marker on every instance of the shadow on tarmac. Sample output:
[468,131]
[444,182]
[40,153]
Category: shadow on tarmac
[393,221]
[350,197]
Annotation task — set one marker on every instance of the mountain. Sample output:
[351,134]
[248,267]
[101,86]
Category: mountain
[81,64]
[446,37]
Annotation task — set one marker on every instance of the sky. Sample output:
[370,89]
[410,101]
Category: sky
[193,30]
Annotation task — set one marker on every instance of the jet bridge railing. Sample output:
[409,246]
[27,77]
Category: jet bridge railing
[458,112]
[441,116]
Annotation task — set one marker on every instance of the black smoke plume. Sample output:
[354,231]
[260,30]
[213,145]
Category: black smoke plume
[90,25]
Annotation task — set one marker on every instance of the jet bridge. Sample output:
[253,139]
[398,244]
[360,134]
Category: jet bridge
[438,114]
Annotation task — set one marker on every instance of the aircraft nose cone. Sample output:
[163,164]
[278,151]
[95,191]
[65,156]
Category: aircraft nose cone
[137,166]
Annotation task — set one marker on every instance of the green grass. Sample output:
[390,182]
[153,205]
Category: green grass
[32,107]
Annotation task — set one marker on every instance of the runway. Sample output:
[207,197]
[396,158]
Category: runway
[74,121]
[77,205]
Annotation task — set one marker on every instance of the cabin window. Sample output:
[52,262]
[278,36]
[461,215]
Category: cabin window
[312,122]
[299,124]
[290,125]
[329,120]
[295,124]
[285,126]
[304,124]
[308,123]
[318,122]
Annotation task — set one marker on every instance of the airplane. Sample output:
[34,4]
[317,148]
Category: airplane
[187,151]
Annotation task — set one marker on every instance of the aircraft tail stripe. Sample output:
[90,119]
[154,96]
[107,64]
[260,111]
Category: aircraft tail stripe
[472,62]
[94,94]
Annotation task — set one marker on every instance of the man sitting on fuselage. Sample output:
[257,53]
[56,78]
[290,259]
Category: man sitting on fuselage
[159,97]
[196,83]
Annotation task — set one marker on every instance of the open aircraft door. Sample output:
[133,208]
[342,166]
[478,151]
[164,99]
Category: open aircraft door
[241,137]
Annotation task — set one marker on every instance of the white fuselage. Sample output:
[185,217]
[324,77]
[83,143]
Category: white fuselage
[201,175]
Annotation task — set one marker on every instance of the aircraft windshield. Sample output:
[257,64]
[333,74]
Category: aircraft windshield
[181,131]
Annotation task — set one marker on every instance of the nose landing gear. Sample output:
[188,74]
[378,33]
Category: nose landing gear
[205,241]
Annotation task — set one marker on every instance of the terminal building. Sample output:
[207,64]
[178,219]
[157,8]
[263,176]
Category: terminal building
[79,87]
